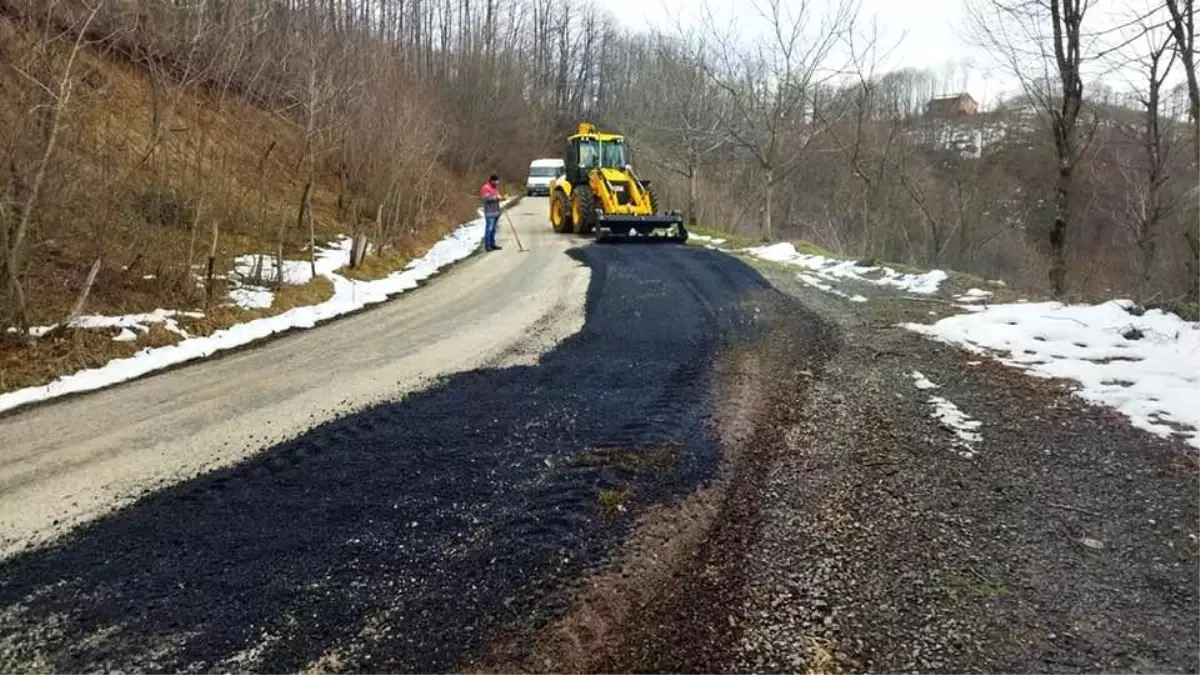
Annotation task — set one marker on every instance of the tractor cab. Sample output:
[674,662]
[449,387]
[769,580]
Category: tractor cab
[588,150]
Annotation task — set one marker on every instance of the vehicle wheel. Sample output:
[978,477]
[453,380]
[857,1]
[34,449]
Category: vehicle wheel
[584,208]
[653,200]
[560,214]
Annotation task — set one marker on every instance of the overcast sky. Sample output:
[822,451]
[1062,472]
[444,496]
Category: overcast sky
[927,32]
[922,34]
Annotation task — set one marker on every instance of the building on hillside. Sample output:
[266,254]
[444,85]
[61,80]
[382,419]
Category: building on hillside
[959,105]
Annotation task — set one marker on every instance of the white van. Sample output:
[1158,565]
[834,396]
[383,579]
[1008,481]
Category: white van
[541,173]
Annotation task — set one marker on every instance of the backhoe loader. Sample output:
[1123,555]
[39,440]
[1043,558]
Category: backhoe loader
[599,194]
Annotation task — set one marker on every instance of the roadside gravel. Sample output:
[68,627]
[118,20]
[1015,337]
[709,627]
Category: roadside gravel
[1065,543]
[852,530]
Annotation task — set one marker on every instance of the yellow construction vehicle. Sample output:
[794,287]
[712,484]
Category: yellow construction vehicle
[598,193]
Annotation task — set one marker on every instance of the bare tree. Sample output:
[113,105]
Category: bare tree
[1041,40]
[770,86]
[1183,30]
[1147,179]
[58,99]
[679,124]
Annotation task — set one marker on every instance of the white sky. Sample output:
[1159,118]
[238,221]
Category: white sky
[921,34]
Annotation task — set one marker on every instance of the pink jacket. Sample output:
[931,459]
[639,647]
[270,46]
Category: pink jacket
[491,199]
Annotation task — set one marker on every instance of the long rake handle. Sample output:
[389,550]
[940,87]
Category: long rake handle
[514,231]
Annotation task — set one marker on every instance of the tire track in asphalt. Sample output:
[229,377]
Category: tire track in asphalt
[398,536]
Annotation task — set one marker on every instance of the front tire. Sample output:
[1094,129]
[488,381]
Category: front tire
[653,200]
[584,209]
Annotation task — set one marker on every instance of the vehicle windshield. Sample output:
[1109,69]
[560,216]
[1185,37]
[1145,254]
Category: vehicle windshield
[543,171]
[610,154]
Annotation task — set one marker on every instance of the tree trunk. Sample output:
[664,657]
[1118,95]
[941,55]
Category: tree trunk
[691,203]
[305,205]
[768,206]
[1058,231]
[209,276]
[83,294]
[1148,250]
[312,236]
[279,252]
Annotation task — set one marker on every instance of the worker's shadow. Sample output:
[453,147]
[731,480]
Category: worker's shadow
[412,527]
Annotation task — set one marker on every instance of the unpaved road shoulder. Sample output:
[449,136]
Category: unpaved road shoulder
[855,533]
[70,461]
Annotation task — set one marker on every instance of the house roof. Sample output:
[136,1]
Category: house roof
[955,97]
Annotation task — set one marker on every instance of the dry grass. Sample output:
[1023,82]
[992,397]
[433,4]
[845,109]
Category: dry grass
[287,297]
[29,365]
[377,266]
[32,365]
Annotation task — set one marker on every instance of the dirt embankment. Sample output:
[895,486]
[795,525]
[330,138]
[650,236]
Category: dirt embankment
[151,176]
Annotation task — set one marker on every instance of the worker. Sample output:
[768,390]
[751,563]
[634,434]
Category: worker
[491,212]
[587,155]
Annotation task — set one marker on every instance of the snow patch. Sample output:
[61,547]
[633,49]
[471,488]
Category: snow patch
[252,297]
[834,270]
[349,295]
[127,323]
[251,270]
[974,295]
[957,421]
[921,381]
[705,239]
[817,283]
[1147,367]
[951,417]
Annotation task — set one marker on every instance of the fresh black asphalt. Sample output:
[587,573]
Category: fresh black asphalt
[398,536]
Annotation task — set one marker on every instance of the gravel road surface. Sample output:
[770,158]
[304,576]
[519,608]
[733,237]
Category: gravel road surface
[75,459]
[395,538]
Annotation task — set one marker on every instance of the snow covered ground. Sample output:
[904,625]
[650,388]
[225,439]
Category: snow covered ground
[247,269]
[709,242]
[1147,366]
[349,295]
[127,323]
[833,270]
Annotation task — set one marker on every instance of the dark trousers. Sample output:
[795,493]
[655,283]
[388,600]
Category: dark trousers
[489,230]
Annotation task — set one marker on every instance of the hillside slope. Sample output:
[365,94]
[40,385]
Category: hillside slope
[164,189]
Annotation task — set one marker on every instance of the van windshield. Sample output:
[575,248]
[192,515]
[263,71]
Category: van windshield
[543,171]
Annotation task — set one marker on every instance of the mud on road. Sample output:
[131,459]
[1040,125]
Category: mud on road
[396,538]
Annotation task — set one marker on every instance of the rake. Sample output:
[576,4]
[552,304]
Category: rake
[514,231]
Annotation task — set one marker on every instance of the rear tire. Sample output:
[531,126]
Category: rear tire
[585,205]
[653,200]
